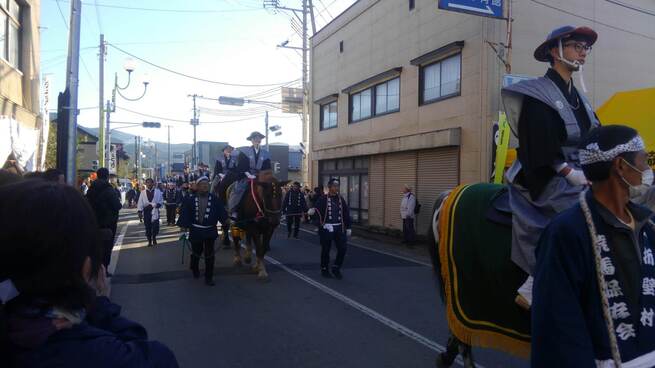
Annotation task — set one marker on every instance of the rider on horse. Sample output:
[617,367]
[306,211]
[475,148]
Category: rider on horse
[549,116]
[224,172]
[250,162]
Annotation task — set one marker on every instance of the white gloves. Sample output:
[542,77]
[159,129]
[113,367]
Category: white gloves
[349,232]
[311,211]
[576,177]
[250,176]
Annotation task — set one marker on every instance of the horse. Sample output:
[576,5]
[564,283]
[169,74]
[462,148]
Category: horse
[470,248]
[259,216]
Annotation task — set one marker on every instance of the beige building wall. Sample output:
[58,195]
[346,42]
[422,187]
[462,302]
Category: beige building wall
[379,35]
[19,86]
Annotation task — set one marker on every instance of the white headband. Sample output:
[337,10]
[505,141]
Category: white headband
[593,154]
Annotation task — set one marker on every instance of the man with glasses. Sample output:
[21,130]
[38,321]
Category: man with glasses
[550,117]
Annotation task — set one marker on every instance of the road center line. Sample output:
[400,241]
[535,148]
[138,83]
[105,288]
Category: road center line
[366,310]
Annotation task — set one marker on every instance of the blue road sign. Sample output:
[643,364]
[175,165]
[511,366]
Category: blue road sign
[485,8]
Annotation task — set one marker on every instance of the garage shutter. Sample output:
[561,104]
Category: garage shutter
[376,190]
[438,171]
[400,169]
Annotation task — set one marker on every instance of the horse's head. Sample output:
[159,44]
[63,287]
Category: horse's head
[272,196]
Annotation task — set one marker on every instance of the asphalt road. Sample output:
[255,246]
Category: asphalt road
[385,312]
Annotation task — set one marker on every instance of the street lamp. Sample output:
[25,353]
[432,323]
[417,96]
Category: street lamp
[145,124]
[129,65]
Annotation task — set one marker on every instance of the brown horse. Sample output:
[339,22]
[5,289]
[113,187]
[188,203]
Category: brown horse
[259,216]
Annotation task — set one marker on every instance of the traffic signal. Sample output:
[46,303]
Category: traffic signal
[151,124]
[94,165]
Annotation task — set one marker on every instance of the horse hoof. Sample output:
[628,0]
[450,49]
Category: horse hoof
[238,263]
[263,276]
[248,260]
[440,363]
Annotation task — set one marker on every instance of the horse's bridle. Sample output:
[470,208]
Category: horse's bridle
[269,211]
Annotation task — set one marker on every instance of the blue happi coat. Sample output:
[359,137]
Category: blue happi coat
[568,327]
[332,210]
[205,229]
[294,203]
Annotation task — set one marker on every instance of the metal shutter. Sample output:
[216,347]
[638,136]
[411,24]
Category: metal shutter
[400,169]
[376,190]
[438,171]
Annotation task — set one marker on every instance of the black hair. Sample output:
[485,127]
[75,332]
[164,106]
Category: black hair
[8,177]
[150,180]
[49,231]
[607,137]
[103,173]
[52,175]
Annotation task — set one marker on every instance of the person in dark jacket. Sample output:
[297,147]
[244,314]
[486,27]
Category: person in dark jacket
[332,216]
[105,202]
[57,313]
[200,215]
[172,198]
[294,207]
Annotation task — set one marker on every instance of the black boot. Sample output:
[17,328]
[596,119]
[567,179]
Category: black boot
[149,241]
[325,273]
[337,273]
[154,241]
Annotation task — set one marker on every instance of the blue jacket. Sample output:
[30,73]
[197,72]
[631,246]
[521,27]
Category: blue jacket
[568,327]
[207,227]
[294,203]
[103,340]
[336,215]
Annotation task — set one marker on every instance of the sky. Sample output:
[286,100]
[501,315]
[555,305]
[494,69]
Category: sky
[227,41]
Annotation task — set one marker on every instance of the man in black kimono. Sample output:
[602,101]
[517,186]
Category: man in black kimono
[332,216]
[294,207]
[200,215]
[594,283]
[549,116]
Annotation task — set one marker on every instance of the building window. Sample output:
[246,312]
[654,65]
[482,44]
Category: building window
[360,103]
[387,97]
[380,99]
[441,80]
[329,115]
[10,31]
[411,4]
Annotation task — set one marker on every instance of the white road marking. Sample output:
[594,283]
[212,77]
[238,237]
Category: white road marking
[366,310]
[378,251]
[118,244]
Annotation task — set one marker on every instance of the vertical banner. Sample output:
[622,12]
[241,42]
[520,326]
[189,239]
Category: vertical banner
[502,144]
[45,123]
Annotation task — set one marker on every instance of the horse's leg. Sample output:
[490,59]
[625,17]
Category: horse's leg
[237,251]
[467,355]
[261,252]
[447,358]
[248,257]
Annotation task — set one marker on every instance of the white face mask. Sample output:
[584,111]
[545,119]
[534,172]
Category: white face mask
[646,181]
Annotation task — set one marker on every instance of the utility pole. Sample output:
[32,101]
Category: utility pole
[307,8]
[72,83]
[108,135]
[168,169]
[266,127]
[136,157]
[101,98]
[195,123]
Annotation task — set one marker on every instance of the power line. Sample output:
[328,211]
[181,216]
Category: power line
[631,7]
[193,77]
[98,16]
[168,10]
[593,20]
[178,120]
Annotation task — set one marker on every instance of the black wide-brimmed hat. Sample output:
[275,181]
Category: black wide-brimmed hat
[254,135]
[333,182]
[541,53]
